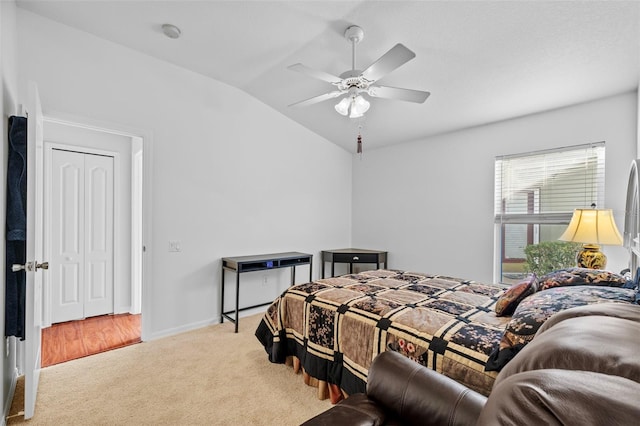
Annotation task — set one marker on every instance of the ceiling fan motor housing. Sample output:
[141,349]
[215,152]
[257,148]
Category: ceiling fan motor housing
[352,78]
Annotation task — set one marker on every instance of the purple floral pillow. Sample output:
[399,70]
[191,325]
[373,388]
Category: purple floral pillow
[581,276]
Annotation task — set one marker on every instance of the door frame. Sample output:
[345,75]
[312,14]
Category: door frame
[145,139]
[49,147]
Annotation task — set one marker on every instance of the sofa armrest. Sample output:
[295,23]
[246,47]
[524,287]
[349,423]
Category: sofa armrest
[420,396]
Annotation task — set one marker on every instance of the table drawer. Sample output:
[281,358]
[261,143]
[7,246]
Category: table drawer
[355,257]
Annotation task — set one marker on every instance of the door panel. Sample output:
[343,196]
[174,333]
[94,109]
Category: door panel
[70,279]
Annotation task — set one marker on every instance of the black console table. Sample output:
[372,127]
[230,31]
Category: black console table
[260,262]
[351,256]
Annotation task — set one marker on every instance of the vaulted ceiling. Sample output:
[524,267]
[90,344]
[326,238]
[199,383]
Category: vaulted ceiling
[482,61]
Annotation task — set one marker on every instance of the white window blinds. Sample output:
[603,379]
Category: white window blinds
[546,186]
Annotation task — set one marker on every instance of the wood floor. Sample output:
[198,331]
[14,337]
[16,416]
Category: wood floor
[76,339]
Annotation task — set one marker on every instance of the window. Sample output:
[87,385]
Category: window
[535,195]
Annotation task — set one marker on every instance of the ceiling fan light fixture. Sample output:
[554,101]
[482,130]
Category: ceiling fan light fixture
[353,105]
[360,104]
[342,107]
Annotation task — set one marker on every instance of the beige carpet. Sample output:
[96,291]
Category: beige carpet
[209,376]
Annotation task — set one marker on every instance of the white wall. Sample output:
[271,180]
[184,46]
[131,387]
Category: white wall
[229,176]
[430,202]
[8,106]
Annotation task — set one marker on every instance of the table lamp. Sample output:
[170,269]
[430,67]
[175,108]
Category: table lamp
[592,227]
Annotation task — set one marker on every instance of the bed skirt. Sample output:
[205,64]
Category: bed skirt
[339,380]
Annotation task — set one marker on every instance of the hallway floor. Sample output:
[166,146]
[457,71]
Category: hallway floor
[76,339]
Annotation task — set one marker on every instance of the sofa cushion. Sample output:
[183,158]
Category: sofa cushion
[533,311]
[601,344]
[581,276]
[561,397]
[508,302]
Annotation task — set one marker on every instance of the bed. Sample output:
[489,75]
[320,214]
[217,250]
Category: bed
[333,328]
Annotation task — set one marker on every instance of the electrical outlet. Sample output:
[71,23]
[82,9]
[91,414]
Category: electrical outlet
[174,246]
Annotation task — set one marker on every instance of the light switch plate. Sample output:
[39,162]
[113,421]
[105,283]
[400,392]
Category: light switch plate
[174,246]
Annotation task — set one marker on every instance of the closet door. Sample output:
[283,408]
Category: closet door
[82,235]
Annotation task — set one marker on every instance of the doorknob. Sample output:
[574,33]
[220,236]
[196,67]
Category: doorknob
[29,266]
[17,267]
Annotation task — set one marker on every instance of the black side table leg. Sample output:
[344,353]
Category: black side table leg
[237,299]
[222,298]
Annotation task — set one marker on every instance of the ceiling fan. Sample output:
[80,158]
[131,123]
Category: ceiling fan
[354,83]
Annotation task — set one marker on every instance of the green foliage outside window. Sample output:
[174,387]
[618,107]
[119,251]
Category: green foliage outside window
[548,256]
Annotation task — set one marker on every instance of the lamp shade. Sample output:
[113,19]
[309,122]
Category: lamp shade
[592,226]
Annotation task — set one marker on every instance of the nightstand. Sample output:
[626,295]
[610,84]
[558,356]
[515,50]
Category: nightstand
[351,256]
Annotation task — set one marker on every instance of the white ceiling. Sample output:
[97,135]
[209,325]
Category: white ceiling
[482,61]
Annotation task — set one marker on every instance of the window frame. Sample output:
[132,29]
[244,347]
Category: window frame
[596,195]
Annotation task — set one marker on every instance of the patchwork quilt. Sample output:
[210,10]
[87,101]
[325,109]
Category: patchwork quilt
[336,326]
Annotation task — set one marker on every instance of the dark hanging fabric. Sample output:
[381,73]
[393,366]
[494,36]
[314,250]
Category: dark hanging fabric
[16,227]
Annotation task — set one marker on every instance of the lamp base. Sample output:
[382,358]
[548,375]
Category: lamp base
[591,257]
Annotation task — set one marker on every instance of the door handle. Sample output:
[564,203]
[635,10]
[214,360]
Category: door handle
[18,267]
[29,266]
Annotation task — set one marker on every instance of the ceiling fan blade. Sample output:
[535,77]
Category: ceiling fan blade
[319,98]
[394,58]
[409,95]
[320,75]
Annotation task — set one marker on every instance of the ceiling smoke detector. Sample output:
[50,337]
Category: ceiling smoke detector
[171,31]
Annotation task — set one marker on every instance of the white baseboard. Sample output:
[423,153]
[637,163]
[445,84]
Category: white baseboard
[195,325]
[182,329]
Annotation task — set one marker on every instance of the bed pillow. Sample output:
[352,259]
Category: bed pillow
[534,310]
[508,302]
[581,276]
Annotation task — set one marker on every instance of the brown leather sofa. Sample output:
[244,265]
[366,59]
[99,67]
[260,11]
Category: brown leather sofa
[582,368]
